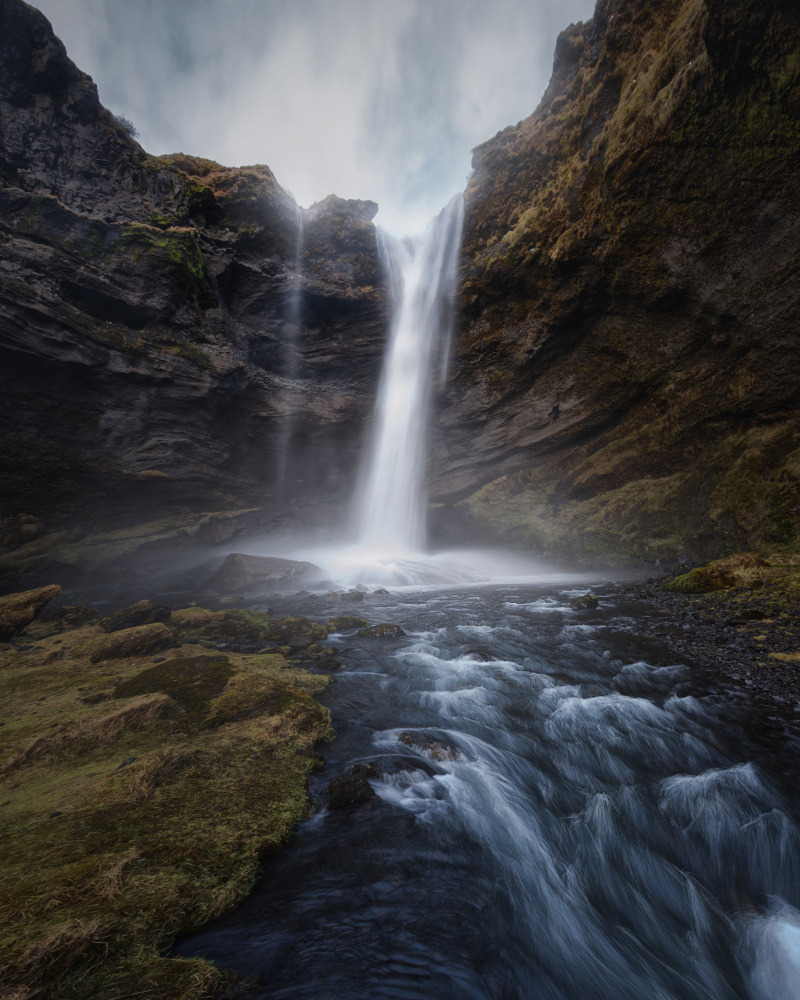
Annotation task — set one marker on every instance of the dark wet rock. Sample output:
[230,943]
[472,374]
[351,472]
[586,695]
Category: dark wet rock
[352,788]
[299,642]
[244,572]
[141,613]
[327,663]
[343,623]
[586,603]
[385,631]
[353,595]
[438,749]
[19,610]
[70,616]
[380,590]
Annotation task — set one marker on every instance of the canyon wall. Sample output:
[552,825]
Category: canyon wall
[627,380]
[155,356]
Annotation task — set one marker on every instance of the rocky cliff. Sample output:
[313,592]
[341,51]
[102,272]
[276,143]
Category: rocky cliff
[627,380]
[167,342]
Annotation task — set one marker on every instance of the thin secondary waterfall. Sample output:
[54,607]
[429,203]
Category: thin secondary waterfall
[292,313]
[421,271]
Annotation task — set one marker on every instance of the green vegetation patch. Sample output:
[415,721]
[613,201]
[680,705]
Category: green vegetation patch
[120,826]
[192,681]
[198,624]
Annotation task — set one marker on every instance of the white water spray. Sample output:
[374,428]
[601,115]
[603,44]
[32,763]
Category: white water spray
[291,346]
[391,510]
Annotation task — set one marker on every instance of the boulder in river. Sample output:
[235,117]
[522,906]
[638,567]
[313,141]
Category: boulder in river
[385,631]
[241,572]
[588,602]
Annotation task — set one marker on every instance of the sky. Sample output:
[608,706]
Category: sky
[377,99]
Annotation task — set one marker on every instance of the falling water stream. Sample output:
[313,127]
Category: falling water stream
[562,810]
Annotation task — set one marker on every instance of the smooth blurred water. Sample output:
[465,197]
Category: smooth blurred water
[609,829]
[390,504]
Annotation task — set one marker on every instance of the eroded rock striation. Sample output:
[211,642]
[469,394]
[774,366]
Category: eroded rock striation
[163,333]
[626,384]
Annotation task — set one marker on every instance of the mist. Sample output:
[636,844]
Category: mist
[380,101]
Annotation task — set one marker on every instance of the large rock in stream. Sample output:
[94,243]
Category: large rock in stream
[242,572]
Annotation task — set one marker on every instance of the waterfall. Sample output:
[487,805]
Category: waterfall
[291,345]
[391,507]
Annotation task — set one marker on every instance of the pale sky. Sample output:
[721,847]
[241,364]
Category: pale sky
[379,99]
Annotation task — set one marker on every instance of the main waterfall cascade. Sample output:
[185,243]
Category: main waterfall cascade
[391,511]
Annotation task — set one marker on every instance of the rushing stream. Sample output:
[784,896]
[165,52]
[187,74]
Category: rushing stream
[605,828]
[560,811]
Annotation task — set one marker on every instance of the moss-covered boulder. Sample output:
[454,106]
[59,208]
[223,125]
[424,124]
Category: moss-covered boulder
[741,570]
[296,625]
[387,630]
[241,625]
[19,610]
[96,645]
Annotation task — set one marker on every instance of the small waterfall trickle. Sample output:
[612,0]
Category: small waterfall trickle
[391,507]
[290,335]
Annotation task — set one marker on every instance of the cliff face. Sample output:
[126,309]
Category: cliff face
[626,384]
[166,341]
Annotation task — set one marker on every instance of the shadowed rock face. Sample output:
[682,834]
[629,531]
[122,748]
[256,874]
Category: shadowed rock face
[147,359]
[626,382]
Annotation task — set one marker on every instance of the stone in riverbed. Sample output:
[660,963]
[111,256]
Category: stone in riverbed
[353,788]
[586,603]
[438,749]
[385,631]
[18,610]
[353,595]
[241,572]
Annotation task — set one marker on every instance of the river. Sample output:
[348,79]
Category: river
[593,820]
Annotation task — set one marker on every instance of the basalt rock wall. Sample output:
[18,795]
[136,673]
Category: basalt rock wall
[167,342]
[627,378]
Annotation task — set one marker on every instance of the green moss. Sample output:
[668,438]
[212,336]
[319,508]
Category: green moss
[122,827]
[192,624]
[190,681]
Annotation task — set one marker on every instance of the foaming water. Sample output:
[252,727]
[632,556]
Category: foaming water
[394,566]
[565,814]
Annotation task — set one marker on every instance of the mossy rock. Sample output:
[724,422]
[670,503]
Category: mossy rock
[96,645]
[19,610]
[346,622]
[198,624]
[191,681]
[741,570]
[141,613]
[387,630]
[296,625]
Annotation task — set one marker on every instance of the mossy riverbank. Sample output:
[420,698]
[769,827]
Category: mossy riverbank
[144,775]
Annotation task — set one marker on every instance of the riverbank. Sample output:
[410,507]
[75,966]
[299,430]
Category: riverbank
[747,633]
[145,774]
